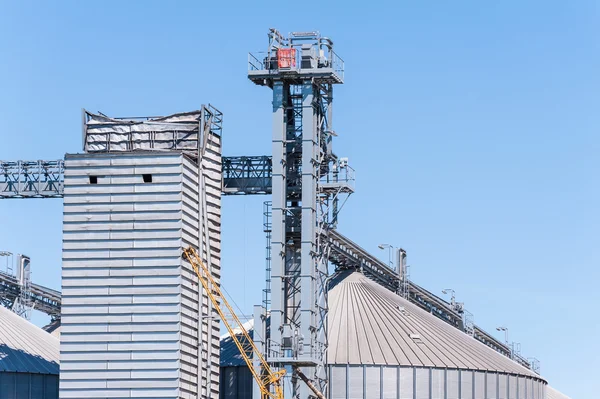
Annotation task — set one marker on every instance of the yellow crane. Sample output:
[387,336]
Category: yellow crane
[267,378]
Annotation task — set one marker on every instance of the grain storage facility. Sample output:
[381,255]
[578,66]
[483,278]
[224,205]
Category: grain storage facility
[135,319]
[28,359]
[132,309]
[382,346]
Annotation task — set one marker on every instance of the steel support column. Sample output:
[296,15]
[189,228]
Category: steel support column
[278,212]
[310,162]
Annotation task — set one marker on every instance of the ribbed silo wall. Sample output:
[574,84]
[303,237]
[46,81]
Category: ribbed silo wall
[385,382]
[132,321]
[28,386]
[236,383]
[390,382]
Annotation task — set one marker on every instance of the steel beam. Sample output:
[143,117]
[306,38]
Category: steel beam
[242,175]
[247,175]
[31,179]
[44,299]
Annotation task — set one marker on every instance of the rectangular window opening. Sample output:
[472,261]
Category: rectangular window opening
[93,179]
[147,178]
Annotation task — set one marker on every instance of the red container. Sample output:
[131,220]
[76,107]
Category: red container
[286,58]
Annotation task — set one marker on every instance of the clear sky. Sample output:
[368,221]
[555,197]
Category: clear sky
[473,127]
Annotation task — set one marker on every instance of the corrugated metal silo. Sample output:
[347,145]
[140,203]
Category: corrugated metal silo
[135,321]
[383,347]
[28,359]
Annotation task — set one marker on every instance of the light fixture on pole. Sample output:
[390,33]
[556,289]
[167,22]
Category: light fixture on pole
[452,295]
[8,260]
[390,253]
[505,329]
[510,347]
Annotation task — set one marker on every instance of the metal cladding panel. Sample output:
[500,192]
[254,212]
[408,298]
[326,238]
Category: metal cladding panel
[390,383]
[28,386]
[422,383]
[437,384]
[337,382]
[452,384]
[502,387]
[466,385]
[479,385]
[372,382]
[236,383]
[364,382]
[209,208]
[512,387]
[26,348]
[492,386]
[355,382]
[407,385]
[130,307]
[523,394]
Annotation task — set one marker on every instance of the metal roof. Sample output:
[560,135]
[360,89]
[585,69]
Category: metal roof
[552,393]
[230,354]
[371,325]
[25,348]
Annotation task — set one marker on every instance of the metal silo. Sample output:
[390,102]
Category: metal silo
[382,346]
[28,359]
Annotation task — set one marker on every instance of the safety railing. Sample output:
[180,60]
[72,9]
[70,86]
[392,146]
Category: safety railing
[343,176]
[254,64]
[337,64]
[293,61]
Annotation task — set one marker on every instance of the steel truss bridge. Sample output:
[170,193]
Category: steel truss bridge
[41,298]
[242,175]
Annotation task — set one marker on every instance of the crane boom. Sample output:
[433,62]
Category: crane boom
[267,377]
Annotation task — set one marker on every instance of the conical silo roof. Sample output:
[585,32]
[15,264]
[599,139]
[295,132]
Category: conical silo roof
[554,394]
[26,348]
[372,325]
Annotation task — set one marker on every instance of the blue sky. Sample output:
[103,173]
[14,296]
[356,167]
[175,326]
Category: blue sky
[472,126]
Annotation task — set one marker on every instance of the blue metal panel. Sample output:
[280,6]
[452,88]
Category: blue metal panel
[26,348]
[28,386]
